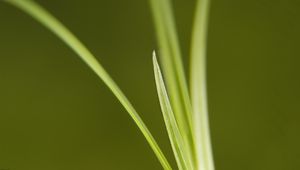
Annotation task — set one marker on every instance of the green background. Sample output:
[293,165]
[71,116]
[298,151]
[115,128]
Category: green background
[55,114]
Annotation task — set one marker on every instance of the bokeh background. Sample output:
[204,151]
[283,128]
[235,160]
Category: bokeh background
[56,114]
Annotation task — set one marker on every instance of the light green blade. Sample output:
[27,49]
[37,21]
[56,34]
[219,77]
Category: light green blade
[173,69]
[198,87]
[180,150]
[50,22]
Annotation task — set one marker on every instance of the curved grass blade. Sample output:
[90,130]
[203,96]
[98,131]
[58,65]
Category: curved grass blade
[180,150]
[198,87]
[173,69]
[50,22]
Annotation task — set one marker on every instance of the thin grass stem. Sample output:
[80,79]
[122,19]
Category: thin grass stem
[182,157]
[198,86]
[51,23]
[172,67]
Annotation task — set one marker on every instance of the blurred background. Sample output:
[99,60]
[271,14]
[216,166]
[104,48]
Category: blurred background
[56,114]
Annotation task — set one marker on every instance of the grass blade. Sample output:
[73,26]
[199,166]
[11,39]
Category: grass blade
[178,146]
[173,69]
[50,22]
[198,87]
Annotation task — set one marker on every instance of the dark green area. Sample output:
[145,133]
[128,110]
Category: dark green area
[56,114]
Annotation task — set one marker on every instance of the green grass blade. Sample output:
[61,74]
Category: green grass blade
[173,68]
[180,150]
[198,87]
[46,19]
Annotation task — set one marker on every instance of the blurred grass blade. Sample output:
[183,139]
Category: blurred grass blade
[178,146]
[198,87]
[173,68]
[46,19]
